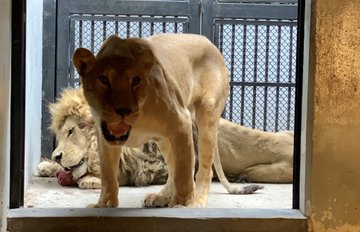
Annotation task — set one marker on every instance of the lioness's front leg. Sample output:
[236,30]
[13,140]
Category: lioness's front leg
[206,148]
[178,152]
[109,165]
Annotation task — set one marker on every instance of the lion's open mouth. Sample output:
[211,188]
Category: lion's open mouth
[115,131]
[75,166]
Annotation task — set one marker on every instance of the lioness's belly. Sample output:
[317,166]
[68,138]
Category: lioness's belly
[138,137]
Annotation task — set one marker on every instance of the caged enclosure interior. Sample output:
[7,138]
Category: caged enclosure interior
[258,40]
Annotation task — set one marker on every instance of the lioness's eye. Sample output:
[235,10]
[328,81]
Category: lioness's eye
[104,80]
[136,81]
[70,132]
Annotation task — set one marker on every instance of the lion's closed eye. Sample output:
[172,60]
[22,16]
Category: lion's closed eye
[70,132]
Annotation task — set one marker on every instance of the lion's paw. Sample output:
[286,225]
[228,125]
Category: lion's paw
[89,183]
[153,200]
[47,169]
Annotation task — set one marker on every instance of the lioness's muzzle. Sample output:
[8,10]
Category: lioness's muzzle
[115,131]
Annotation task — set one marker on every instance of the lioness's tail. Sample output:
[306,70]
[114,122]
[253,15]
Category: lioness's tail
[248,189]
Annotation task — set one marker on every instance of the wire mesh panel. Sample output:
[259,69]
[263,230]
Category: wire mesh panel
[90,31]
[261,58]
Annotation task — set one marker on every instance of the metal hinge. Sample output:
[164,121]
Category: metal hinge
[201,9]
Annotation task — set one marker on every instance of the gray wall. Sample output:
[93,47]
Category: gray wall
[335,174]
[5,55]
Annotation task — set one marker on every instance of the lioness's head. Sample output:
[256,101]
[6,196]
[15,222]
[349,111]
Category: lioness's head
[114,83]
[75,131]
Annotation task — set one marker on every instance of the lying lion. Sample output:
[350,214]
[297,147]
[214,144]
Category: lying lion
[247,155]
[251,155]
[77,149]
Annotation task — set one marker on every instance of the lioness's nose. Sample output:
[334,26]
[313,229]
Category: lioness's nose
[123,111]
[58,157]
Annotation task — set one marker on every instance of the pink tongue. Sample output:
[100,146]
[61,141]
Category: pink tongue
[118,128]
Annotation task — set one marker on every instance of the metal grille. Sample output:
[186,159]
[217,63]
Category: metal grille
[89,31]
[261,58]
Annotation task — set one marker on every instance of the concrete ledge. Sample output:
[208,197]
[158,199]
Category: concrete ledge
[120,219]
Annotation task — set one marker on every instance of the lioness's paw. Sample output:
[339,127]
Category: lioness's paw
[101,206]
[199,203]
[47,169]
[183,202]
[153,200]
[89,183]
[114,203]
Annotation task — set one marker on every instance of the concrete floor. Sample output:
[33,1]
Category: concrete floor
[47,193]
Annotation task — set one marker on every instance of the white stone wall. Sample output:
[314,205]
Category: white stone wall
[5,61]
[34,26]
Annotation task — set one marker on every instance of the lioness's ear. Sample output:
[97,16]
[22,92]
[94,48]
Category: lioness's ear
[142,52]
[83,60]
[114,45]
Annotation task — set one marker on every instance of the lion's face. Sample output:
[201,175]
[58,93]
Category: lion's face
[114,84]
[73,145]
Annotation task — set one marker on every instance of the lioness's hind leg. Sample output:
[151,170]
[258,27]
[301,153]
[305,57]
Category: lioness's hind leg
[207,123]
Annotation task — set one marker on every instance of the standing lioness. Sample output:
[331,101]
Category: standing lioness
[142,89]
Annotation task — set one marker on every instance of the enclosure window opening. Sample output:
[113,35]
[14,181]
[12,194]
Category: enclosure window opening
[260,53]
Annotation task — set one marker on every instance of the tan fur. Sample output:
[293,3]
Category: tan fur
[138,168]
[157,86]
[250,155]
